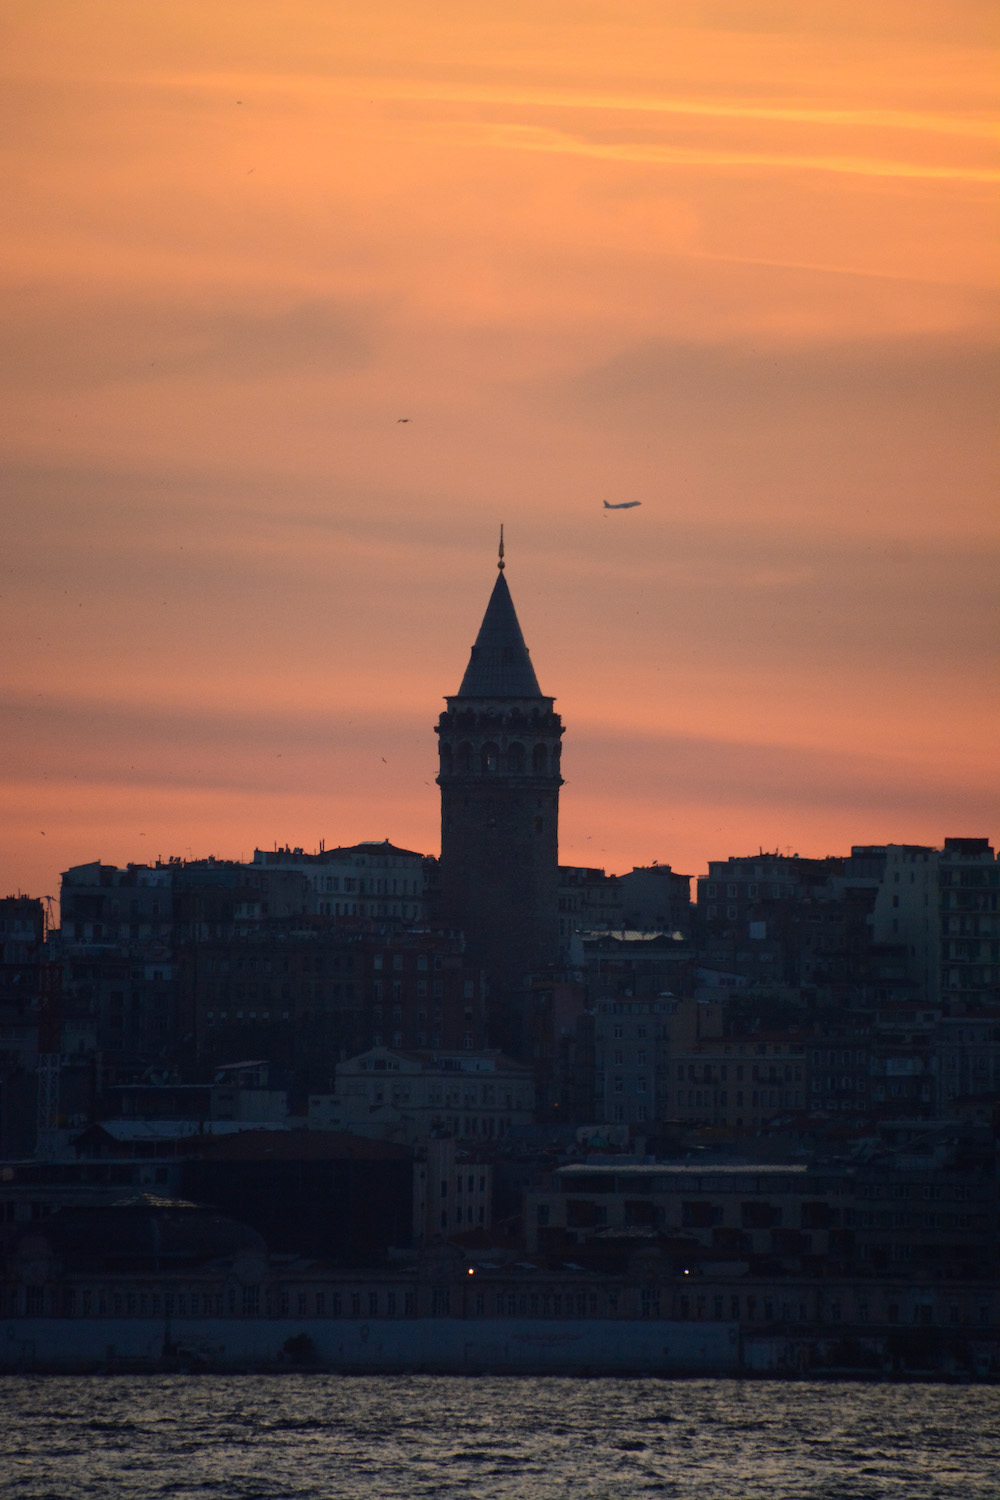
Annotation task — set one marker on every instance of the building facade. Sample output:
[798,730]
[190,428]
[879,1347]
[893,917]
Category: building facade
[943,907]
[416,1095]
[371,879]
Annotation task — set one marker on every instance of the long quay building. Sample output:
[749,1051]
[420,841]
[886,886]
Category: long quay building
[165,1285]
[486,1319]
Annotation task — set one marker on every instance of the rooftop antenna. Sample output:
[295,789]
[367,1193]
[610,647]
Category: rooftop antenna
[500,555]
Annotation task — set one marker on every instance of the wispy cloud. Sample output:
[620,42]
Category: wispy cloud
[127,744]
[96,339]
[242,751]
[955,371]
[721,771]
[429,89]
[524,137]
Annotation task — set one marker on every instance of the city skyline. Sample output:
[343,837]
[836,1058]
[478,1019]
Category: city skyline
[302,310]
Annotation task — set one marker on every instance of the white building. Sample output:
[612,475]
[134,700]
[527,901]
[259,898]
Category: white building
[412,1096]
[370,879]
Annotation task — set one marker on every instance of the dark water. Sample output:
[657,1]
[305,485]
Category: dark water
[317,1437]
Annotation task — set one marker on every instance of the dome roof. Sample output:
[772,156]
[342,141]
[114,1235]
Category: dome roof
[145,1232]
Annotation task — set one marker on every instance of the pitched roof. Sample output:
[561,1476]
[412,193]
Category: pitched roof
[174,1130]
[303,1145]
[499,666]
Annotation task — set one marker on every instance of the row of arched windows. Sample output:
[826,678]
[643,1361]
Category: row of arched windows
[490,758]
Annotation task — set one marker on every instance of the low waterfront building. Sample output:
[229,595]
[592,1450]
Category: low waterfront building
[792,1215]
[169,1286]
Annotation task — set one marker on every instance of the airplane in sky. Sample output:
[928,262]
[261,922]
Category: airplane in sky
[625,505]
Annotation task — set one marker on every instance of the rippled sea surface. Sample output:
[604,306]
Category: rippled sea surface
[315,1437]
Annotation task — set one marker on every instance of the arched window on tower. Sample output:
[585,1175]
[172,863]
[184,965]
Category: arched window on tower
[540,760]
[491,757]
[515,758]
[447,760]
[465,756]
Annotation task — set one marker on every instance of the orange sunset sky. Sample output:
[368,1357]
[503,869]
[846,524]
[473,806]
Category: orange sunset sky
[734,260]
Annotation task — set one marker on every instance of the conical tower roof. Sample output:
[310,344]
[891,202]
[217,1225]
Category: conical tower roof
[499,666]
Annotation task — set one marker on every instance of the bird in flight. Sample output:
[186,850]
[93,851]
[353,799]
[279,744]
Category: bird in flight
[404,419]
[625,505]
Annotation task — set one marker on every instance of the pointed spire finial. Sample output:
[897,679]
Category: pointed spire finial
[500,666]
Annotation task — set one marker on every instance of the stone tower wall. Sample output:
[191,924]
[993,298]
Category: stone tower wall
[500,779]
